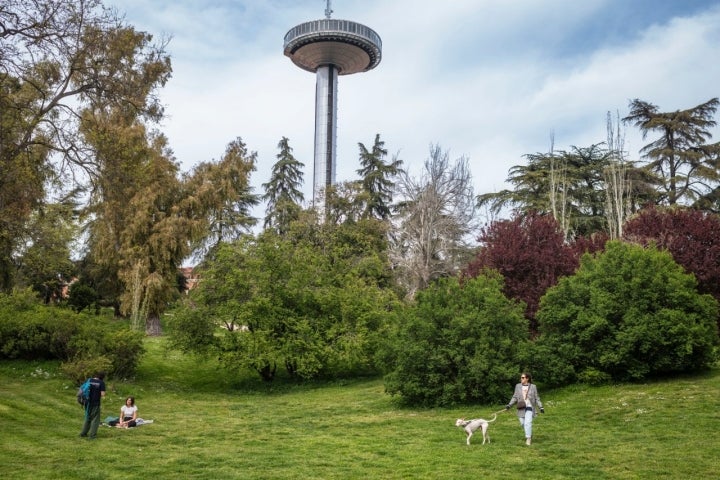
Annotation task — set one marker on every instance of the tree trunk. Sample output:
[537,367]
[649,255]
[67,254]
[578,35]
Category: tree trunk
[152,326]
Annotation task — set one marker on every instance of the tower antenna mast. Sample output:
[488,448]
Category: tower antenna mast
[328,10]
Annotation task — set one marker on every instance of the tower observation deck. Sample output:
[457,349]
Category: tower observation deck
[328,48]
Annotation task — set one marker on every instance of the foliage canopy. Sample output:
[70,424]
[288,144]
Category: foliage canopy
[628,313]
[458,343]
[313,301]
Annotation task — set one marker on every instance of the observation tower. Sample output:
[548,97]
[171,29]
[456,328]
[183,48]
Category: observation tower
[328,48]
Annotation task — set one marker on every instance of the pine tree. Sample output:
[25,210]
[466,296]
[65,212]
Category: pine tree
[377,178]
[282,193]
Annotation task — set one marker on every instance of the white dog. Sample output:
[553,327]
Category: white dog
[470,426]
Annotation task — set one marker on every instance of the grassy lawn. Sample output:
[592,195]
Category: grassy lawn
[209,424]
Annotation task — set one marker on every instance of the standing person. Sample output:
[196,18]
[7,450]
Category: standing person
[92,409]
[528,402]
[128,413]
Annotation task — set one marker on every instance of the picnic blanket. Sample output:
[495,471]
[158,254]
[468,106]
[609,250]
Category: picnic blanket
[113,421]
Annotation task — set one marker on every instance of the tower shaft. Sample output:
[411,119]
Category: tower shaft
[325,129]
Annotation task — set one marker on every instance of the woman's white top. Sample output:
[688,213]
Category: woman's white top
[128,411]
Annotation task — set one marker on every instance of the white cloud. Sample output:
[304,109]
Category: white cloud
[486,79]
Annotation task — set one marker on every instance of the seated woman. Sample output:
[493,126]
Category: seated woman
[128,413]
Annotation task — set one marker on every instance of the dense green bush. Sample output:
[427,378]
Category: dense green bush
[18,301]
[628,313]
[459,343]
[29,330]
[190,328]
[81,296]
[85,343]
[81,368]
[123,348]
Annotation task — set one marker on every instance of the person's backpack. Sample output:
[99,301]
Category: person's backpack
[83,393]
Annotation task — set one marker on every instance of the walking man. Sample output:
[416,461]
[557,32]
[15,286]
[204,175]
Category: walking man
[92,409]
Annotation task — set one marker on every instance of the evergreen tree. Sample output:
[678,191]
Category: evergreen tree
[570,185]
[282,193]
[137,234]
[686,165]
[377,178]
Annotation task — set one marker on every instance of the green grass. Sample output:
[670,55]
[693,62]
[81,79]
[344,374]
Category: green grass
[209,424]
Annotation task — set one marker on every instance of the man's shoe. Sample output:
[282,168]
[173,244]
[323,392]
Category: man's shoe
[528,441]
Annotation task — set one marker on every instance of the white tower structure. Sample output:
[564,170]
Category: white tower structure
[328,48]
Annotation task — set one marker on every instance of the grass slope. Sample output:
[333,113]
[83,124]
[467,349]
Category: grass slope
[211,425]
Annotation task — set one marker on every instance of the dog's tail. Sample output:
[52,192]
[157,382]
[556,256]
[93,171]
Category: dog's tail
[494,418]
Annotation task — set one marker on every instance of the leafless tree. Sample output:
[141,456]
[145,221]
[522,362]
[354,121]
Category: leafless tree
[617,180]
[435,221]
[558,188]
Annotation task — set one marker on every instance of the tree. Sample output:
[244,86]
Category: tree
[144,220]
[377,178]
[570,185]
[619,186]
[531,255]
[81,296]
[628,313]
[435,217]
[310,301]
[692,237]
[124,153]
[680,157]
[282,193]
[218,198]
[574,187]
[168,219]
[22,177]
[154,240]
[458,343]
[43,260]
[344,202]
[58,58]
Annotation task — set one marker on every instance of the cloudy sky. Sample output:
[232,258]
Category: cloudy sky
[490,80]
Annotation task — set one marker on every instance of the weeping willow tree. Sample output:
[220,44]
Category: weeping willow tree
[145,219]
